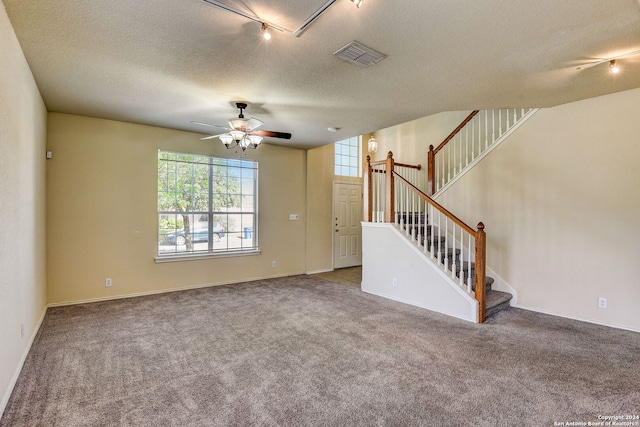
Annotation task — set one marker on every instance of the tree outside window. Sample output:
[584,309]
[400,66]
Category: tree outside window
[206,204]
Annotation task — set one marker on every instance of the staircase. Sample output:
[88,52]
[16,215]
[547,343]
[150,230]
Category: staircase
[435,243]
[404,195]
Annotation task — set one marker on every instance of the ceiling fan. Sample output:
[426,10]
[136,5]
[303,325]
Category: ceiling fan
[242,132]
[612,61]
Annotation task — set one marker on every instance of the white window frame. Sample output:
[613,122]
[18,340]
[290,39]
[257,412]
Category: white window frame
[237,223]
[348,157]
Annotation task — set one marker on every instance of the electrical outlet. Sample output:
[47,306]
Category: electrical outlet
[602,302]
[107,282]
[395,283]
[21,330]
[273,264]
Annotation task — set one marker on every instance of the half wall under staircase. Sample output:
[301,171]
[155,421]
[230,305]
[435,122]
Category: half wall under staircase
[417,252]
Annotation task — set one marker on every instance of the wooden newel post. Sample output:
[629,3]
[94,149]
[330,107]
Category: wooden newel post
[389,192]
[431,172]
[481,270]
[368,191]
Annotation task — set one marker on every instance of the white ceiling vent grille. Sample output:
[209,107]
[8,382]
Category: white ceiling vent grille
[359,54]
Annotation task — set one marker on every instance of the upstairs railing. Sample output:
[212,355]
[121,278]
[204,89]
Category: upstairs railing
[473,139]
[448,241]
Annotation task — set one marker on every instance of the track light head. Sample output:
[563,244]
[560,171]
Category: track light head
[358,3]
[614,68]
[265,31]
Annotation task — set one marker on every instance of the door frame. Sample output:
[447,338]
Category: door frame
[333,215]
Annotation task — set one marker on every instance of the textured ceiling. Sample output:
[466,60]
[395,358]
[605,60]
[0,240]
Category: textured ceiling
[167,62]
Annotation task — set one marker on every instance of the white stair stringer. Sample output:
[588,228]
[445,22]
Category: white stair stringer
[388,257]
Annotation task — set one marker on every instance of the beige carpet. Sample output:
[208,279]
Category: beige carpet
[302,351]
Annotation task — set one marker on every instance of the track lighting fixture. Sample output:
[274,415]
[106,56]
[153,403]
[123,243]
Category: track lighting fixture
[265,31]
[358,3]
[614,68]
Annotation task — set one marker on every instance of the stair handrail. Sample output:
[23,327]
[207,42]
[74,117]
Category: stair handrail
[472,140]
[431,156]
[389,165]
[455,132]
[390,216]
[480,245]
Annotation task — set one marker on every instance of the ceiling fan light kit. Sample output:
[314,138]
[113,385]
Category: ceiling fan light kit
[242,132]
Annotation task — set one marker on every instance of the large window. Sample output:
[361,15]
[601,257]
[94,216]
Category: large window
[348,157]
[206,205]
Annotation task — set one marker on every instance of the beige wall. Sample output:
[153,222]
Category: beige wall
[560,203]
[410,141]
[102,211]
[22,208]
[319,193]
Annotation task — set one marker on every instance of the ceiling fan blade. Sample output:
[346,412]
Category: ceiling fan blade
[272,134]
[254,123]
[210,137]
[207,124]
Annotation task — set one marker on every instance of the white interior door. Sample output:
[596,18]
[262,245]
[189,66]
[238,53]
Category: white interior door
[347,214]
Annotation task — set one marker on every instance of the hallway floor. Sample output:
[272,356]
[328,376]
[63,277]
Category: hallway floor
[350,276]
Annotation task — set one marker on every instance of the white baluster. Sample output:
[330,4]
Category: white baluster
[419,220]
[396,204]
[461,150]
[374,191]
[453,250]
[448,163]
[469,265]
[486,129]
[466,146]
[493,126]
[446,241]
[473,140]
[456,258]
[378,197]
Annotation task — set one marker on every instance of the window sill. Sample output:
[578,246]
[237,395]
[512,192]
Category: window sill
[193,257]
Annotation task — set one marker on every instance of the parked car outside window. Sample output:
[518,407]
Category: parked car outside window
[199,234]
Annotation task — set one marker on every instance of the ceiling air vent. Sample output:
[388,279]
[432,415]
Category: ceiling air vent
[359,54]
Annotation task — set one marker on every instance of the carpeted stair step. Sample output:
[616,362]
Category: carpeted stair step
[413,219]
[488,282]
[420,228]
[444,253]
[496,301]
[438,242]
[462,267]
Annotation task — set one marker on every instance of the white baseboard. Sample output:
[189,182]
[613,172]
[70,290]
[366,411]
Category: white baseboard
[166,291]
[500,284]
[16,374]
[472,316]
[610,325]
[320,271]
